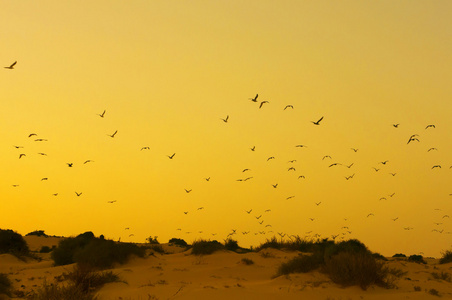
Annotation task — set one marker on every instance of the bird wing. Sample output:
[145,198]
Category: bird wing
[14,63]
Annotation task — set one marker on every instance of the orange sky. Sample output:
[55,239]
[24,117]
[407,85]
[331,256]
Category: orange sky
[167,73]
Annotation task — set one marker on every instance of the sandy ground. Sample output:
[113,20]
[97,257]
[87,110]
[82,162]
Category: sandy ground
[223,275]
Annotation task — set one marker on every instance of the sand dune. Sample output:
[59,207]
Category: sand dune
[180,275]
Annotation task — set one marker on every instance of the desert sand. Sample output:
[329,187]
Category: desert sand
[180,275]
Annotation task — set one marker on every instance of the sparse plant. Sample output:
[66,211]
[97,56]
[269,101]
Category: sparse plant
[417,288]
[202,247]
[266,254]
[153,240]
[13,243]
[397,255]
[417,259]
[178,242]
[441,276]
[301,264]
[5,285]
[157,248]
[230,244]
[37,233]
[433,292]
[347,268]
[446,257]
[247,261]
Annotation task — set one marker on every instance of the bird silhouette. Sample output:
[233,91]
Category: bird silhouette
[255,98]
[78,194]
[253,148]
[249,211]
[354,149]
[318,122]
[288,106]
[171,156]
[88,161]
[22,154]
[11,66]
[18,147]
[32,134]
[70,165]
[326,156]
[430,126]
[43,154]
[207,179]
[262,103]
[271,157]
[396,125]
[384,162]
[432,149]
[102,114]
[275,185]
[113,135]
[318,203]
[113,201]
[187,191]
[225,120]
[436,166]
[145,148]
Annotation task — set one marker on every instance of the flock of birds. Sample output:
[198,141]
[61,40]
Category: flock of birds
[265,228]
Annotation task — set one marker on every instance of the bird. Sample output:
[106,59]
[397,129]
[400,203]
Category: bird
[22,154]
[185,212]
[249,211]
[207,179]
[18,147]
[262,103]
[301,176]
[288,106]
[44,178]
[300,146]
[384,162]
[199,208]
[11,66]
[187,191]
[292,161]
[275,185]
[376,170]
[15,185]
[255,98]
[271,157]
[32,134]
[318,122]
[145,148]
[225,120]
[70,165]
[56,194]
[248,178]
[253,148]
[350,177]
[436,166]
[371,214]
[326,156]
[391,195]
[258,217]
[349,166]
[432,149]
[354,149]
[290,197]
[395,219]
[113,135]
[291,168]
[171,156]
[383,198]
[396,125]
[40,140]
[244,170]
[102,114]
[268,210]
[430,126]
[334,164]
[113,201]
[87,161]
[43,154]
[312,219]
[393,174]
[318,203]
[413,138]
[78,194]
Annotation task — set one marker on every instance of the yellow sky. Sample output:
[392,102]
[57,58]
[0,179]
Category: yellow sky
[167,72]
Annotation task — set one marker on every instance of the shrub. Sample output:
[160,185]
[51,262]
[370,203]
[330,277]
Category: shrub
[202,247]
[45,249]
[13,243]
[350,246]
[441,276]
[82,283]
[433,292]
[446,258]
[158,249]
[37,233]
[5,285]
[399,255]
[178,242]
[301,264]
[247,261]
[417,259]
[85,249]
[152,240]
[230,244]
[347,268]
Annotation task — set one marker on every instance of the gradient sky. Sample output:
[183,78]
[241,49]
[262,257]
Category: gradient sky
[167,72]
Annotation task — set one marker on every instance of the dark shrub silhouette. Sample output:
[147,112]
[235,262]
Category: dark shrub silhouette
[37,233]
[446,257]
[13,243]
[178,242]
[5,285]
[201,247]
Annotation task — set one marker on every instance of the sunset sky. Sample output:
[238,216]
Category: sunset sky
[168,72]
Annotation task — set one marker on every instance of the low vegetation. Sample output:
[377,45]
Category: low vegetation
[442,276]
[153,240]
[346,263]
[178,242]
[100,253]
[203,247]
[83,282]
[37,233]
[5,285]
[446,257]
[247,261]
[13,243]
[417,259]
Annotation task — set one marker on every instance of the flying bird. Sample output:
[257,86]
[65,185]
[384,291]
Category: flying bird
[102,114]
[87,161]
[318,122]
[40,140]
[318,203]
[396,125]
[11,66]
[254,148]
[271,157]
[207,179]
[113,135]
[113,201]
[326,156]
[275,185]
[187,191]
[354,149]
[262,103]
[43,154]
[436,166]
[288,106]
[431,125]
[20,155]
[349,166]
[249,211]
[384,162]
[145,148]
[432,149]
[70,165]
[78,194]
[32,134]
[171,156]
[255,98]
[18,147]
